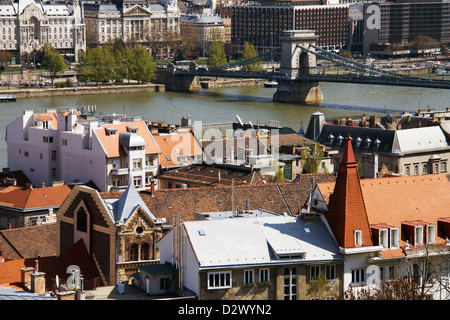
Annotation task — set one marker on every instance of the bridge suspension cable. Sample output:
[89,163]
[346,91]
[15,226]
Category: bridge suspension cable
[352,64]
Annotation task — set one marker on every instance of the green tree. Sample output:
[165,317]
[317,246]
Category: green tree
[54,63]
[249,52]
[279,176]
[141,65]
[312,158]
[216,54]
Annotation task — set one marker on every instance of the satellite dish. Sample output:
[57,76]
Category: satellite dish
[239,120]
[251,124]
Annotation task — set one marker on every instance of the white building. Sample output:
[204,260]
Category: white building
[110,151]
[26,25]
[140,22]
[265,256]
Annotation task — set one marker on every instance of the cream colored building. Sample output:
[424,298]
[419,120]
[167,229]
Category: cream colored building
[140,22]
[27,25]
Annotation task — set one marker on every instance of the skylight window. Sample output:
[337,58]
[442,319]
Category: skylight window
[307,230]
[202,232]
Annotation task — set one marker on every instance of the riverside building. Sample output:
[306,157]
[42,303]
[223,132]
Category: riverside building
[262,24]
[26,25]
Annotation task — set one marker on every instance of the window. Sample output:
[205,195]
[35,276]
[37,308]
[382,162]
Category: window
[358,276]
[358,238]
[443,166]
[416,170]
[264,275]
[137,181]
[383,238]
[290,284]
[330,272]
[407,170]
[53,155]
[314,273]
[148,161]
[164,283]
[418,235]
[391,272]
[219,280]
[436,168]
[394,238]
[25,153]
[248,276]
[64,142]
[82,220]
[54,173]
[133,252]
[137,163]
[145,249]
[424,169]
[431,233]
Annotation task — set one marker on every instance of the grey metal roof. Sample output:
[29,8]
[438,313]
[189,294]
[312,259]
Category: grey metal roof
[264,240]
[7,293]
[127,204]
[130,139]
[163,268]
[363,139]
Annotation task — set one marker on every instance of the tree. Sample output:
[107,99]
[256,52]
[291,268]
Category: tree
[54,63]
[321,288]
[249,52]
[279,176]
[312,158]
[141,65]
[216,54]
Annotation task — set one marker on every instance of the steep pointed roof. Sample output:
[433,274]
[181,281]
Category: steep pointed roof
[127,204]
[347,212]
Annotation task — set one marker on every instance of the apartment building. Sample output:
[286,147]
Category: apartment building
[402,21]
[386,228]
[26,25]
[261,25]
[109,151]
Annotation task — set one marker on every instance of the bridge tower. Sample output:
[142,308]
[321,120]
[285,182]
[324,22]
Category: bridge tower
[295,61]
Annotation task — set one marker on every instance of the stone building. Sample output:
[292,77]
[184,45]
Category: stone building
[26,25]
[119,234]
[133,21]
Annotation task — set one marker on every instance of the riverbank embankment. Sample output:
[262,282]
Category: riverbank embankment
[82,90]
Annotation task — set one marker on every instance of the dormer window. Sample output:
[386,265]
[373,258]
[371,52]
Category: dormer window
[394,238]
[111,132]
[132,129]
[340,139]
[377,143]
[358,238]
[358,142]
[330,138]
[367,142]
[431,233]
[418,235]
[383,238]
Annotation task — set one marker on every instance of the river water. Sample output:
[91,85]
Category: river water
[250,103]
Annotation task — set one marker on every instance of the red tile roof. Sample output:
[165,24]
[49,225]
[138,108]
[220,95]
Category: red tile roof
[27,198]
[347,211]
[174,144]
[111,143]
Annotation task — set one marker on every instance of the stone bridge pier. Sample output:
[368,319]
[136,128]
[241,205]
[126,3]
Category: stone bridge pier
[173,82]
[294,62]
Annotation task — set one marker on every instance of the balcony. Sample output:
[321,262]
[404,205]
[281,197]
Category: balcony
[120,171]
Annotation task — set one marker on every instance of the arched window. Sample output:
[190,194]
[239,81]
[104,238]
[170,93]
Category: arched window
[145,250]
[133,252]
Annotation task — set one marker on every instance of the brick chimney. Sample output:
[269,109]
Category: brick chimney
[38,282]
[25,277]
[152,188]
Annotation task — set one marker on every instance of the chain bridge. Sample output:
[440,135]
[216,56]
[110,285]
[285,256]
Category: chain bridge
[298,76]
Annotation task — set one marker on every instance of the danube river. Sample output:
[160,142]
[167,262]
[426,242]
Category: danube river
[250,103]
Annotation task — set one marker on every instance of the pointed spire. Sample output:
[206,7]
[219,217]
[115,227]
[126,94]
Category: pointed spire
[347,212]
[348,157]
